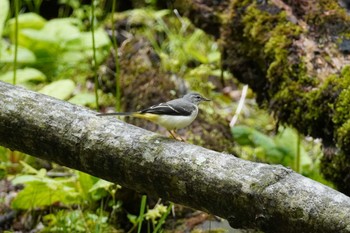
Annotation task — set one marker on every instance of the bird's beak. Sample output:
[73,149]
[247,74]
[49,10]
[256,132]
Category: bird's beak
[205,99]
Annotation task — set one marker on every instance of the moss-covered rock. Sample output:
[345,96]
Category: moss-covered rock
[287,51]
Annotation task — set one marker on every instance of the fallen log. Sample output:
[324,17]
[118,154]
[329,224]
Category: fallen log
[249,195]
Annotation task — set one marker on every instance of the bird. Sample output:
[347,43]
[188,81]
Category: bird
[172,115]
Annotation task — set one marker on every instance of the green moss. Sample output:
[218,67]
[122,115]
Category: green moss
[326,17]
[341,116]
[342,107]
[295,97]
[269,36]
[343,136]
[261,37]
[335,165]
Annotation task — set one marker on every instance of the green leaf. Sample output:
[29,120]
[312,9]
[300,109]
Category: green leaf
[38,175]
[3,171]
[4,6]
[7,54]
[28,169]
[86,182]
[25,20]
[100,189]
[62,30]
[53,37]
[279,149]
[288,139]
[71,58]
[37,40]
[40,194]
[101,39]
[23,179]
[101,184]
[265,145]
[4,158]
[61,89]
[98,194]
[245,135]
[83,99]
[132,218]
[24,75]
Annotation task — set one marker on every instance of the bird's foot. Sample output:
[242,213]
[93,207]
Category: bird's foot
[177,137]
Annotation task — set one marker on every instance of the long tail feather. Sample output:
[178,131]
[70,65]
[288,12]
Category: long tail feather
[115,114]
[147,116]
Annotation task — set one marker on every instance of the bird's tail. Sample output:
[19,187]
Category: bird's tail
[147,116]
[116,114]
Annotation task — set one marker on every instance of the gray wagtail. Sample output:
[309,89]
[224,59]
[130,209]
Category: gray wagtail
[172,115]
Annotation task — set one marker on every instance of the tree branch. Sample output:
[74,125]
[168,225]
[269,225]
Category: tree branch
[249,195]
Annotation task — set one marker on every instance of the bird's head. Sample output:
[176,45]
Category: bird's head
[195,98]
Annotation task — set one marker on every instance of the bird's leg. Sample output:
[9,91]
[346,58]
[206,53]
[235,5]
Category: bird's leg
[181,139]
[172,132]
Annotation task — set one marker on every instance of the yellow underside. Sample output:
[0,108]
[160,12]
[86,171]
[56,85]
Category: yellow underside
[168,121]
[147,116]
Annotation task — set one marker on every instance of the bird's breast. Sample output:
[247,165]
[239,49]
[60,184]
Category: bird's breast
[171,122]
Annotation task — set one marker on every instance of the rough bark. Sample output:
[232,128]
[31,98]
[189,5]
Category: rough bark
[247,194]
[295,55]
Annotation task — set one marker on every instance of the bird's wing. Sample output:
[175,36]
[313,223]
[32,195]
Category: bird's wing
[175,107]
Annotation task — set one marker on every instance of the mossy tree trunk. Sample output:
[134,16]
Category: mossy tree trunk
[294,55]
[248,194]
